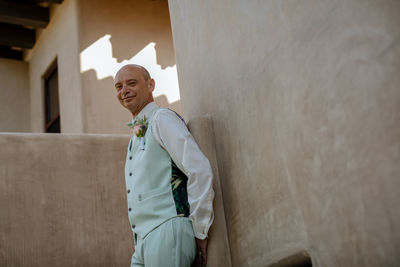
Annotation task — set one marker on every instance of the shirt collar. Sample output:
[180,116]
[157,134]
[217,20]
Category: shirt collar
[146,111]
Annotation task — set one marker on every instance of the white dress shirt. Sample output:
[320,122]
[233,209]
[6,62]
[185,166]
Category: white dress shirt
[172,134]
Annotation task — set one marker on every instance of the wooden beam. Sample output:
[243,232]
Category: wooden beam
[36,1]
[7,52]
[55,1]
[24,14]
[13,35]
[41,1]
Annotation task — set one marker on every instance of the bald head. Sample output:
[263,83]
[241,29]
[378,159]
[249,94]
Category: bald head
[134,87]
[128,67]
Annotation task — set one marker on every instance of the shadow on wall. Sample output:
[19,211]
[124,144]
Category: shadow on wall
[162,101]
[114,34]
[300,259]
[99,57]
[131,27]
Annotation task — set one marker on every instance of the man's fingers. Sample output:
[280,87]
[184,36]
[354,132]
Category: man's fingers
[201,251]
[204,258]
[204,254]
[198,254]
[201,257]
[198,260]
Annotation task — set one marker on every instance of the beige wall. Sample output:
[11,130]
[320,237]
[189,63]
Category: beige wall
[305,100]
[14,96]
[59,40]
[63,201]
[115,33]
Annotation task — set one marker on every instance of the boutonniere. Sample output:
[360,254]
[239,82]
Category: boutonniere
[139,127]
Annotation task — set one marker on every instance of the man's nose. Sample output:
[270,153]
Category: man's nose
[124,90]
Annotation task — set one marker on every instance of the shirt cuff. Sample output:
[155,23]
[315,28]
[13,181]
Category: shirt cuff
[200,230]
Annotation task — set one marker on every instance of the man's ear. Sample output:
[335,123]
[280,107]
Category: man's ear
[151,85]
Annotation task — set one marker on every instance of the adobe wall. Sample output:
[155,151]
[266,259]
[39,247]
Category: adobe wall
[58,41]
[115,33]
[62,200]
[14,96]
[305,100]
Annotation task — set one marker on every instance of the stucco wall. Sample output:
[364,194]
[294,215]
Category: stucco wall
[114,33]
[63,201]
[14,96]
[59,40]
[305,100]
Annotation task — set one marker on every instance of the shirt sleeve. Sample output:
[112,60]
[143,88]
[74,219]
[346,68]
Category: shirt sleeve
[172,134]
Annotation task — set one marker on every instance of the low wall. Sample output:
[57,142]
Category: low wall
[62,201]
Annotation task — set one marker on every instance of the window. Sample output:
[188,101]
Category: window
[52,109]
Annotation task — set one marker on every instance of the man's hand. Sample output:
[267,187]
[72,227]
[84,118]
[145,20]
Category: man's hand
[201,253]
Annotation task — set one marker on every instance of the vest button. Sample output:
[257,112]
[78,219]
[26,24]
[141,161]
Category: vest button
[140,197]
[133,226]
[129,209]
[129,191]
[130,174]
[130,158]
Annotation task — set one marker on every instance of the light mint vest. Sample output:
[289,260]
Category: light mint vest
[150,176]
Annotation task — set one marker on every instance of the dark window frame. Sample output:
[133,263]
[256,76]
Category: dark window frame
[52,70]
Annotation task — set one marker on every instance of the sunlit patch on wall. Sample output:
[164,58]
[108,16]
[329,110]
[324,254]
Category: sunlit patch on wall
[98,57]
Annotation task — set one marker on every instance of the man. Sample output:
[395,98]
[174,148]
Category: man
[168,179]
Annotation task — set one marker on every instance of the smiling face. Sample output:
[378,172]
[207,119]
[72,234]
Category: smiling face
[134,88]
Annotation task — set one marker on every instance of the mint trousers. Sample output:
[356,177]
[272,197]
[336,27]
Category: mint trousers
[172,244]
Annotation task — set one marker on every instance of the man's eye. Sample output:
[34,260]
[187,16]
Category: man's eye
[132,83]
